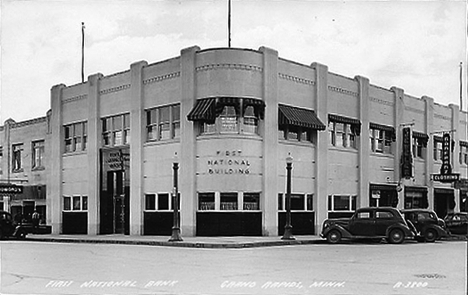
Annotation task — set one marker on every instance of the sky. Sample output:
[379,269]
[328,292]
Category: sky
[414,45]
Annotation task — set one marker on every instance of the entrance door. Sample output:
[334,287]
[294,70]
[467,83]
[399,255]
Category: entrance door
[119,214]
[115,204]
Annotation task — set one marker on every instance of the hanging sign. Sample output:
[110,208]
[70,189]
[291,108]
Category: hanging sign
[446,174]
[406,157]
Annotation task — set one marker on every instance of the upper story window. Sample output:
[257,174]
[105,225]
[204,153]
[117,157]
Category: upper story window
[381,138]
[38,154]
[228,115]
[437,152]
[463,155]
[116,130]
[298,124]
[419,144]
[75,137]
[343,131]
[163,123]
[17,152]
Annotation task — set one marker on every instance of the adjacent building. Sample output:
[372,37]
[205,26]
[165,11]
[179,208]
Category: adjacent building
[230,117]
[23,163]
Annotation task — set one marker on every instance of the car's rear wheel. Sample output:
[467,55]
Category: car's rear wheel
[396,236]
[334,236]
[430,235]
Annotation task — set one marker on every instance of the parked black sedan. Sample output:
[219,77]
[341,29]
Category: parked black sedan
[368,223]
[457,223]
[428,226]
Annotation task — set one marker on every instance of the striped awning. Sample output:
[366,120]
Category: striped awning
[299,117]
[204,110]
[355,123]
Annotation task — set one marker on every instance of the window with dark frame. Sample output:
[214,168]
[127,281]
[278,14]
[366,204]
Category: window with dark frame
[206,201]
[342,134]
[381,140]
[342,203]
[251,201]
[299,202]
[228,201]
[437,152]
[163,123]
[75,137]
[17,151]
[38,154]
[116,130]
[150,202]
[75,203]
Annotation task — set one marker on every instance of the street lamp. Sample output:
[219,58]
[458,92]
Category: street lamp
[175,203]
[288,227]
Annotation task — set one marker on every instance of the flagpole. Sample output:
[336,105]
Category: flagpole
[229,23]
[461,86]
[82,51]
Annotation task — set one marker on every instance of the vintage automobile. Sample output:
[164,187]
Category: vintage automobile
[369,223]
[457,223]
[428,226]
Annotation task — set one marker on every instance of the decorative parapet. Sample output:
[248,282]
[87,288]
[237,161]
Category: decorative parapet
[342,91]
[161,78]
[381,101]
[28,122]
[244,67]
[75,98]
[115,89]
[296,79]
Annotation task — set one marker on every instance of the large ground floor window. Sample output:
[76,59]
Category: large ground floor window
[228,201]
[341,205]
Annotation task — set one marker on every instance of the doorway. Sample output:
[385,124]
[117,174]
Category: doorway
[115,204]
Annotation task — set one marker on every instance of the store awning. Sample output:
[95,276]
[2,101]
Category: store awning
[424,136]
[204,110]
[299,117]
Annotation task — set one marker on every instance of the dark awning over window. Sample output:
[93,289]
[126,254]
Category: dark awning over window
[424,136]
[299,117]
[204,110]
[207,109]
[464,143]
[382,187]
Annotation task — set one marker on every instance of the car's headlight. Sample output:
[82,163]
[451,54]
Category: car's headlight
[326,224]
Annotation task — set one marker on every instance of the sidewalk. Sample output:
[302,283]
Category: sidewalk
[188,242]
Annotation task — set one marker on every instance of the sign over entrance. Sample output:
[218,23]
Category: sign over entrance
[11,189]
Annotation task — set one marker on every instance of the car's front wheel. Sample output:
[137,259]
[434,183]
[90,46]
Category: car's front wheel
[334,236]
[396,236]
[430,235]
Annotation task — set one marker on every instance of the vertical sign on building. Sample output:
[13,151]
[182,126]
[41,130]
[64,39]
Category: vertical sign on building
[406,157]
[446,167]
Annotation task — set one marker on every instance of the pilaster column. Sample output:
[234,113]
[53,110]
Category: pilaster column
[399,111]
[137,135]
[321,149]
[364,148]
[54,179]
[429,167]
[456,150]
[93,151]
[188,143]
[270,142]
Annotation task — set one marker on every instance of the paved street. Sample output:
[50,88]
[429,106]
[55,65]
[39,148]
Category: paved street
[57,268]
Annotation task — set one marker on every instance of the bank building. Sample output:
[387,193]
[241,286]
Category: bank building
[231,118]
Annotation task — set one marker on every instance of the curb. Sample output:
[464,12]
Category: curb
[181,244]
